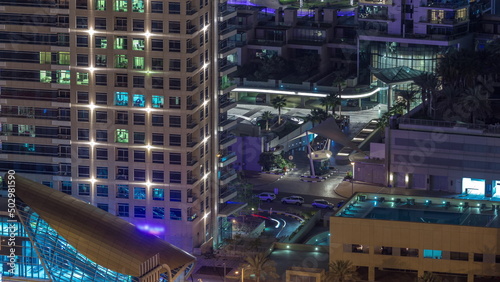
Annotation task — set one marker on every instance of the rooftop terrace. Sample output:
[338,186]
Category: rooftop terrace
[466,212]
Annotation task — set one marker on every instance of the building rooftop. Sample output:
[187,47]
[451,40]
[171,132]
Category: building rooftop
[454,211]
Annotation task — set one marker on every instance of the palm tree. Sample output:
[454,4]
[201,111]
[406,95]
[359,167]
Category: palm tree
[267,116]
[474,105]
[408,97]
[278,103]
[317,116]
[341,271]
[429,83]
[446,99]
[261,266]
[331,100]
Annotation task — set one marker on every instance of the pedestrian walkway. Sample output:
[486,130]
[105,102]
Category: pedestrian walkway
[212,269]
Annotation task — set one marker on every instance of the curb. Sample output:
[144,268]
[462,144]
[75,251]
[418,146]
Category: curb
[312,181]
[285,214]
[319,178]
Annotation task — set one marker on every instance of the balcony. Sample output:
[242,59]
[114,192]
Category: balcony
[191,106]
[191,124]
[191,180]
[227,159]
[227,50]
[191,49]
[191,143]
[227,194]
[192,217]
[227,124]
[226,105]
[190,12]
[228,209]
[445,5]
[226,179]
[191,68]
[229,13]
[191,29]
[226,142]
[229,31]
[227,69]
[191,162]
[264,42]
[191,87]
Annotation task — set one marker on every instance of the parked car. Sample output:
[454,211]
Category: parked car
[295,200]
[267,196]
[322,204]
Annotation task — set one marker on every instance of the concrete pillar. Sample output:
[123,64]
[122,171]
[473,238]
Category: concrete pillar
[303,101]
[371,273]
[470,277]
[420,273]
[268,99]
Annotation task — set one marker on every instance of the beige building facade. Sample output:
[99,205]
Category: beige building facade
[418,235]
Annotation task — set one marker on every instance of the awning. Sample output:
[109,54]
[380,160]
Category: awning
[329,129]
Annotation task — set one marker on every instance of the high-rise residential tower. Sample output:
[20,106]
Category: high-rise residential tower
[115,102]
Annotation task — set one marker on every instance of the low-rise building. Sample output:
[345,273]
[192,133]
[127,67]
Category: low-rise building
[445,236]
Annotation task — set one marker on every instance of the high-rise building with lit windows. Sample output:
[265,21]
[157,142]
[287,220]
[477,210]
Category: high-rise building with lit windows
[116,102]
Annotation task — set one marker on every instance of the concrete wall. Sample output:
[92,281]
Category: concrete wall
[447,238]
[443,158]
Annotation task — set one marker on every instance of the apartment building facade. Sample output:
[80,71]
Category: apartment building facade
[116,103]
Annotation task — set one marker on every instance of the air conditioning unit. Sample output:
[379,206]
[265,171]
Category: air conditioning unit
[189,199]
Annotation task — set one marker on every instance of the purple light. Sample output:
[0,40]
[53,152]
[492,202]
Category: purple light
[154,230]
[241,2]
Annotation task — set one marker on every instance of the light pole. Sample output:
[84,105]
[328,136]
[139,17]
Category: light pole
[224,264]
[352,179]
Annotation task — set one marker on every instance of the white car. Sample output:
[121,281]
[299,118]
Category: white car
[267,196]
[296,200]
[323,204]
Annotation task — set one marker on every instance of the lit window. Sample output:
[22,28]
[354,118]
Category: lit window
[121,61]
[138,63]
[122,191]
[45,76]
[121,136]
[434,254]
[82,78]
[139,100]
[63,76]
[138,44]
[159,212]
[45,58]
[120,6]
[83,189]
[102,172]
[121,98]
[138,6]
[139,193]
[101,42]
[158,194]
[157,101]
[64,58]
[100,5]
[121,43]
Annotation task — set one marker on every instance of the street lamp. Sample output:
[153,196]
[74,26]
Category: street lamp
[352,179]
[224,264]
[242,274]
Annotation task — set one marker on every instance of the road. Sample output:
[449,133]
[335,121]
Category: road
[278,225]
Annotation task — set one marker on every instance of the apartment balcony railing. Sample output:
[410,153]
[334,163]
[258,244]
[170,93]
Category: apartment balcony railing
[227,139]
[191,162]
[191,87]
[265,42]
[191,30]
[191,143]
[191,106]
[191,180]
[191,49]
[191,12]
[192,217]
[191,124]
[191,68]
[445,5]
